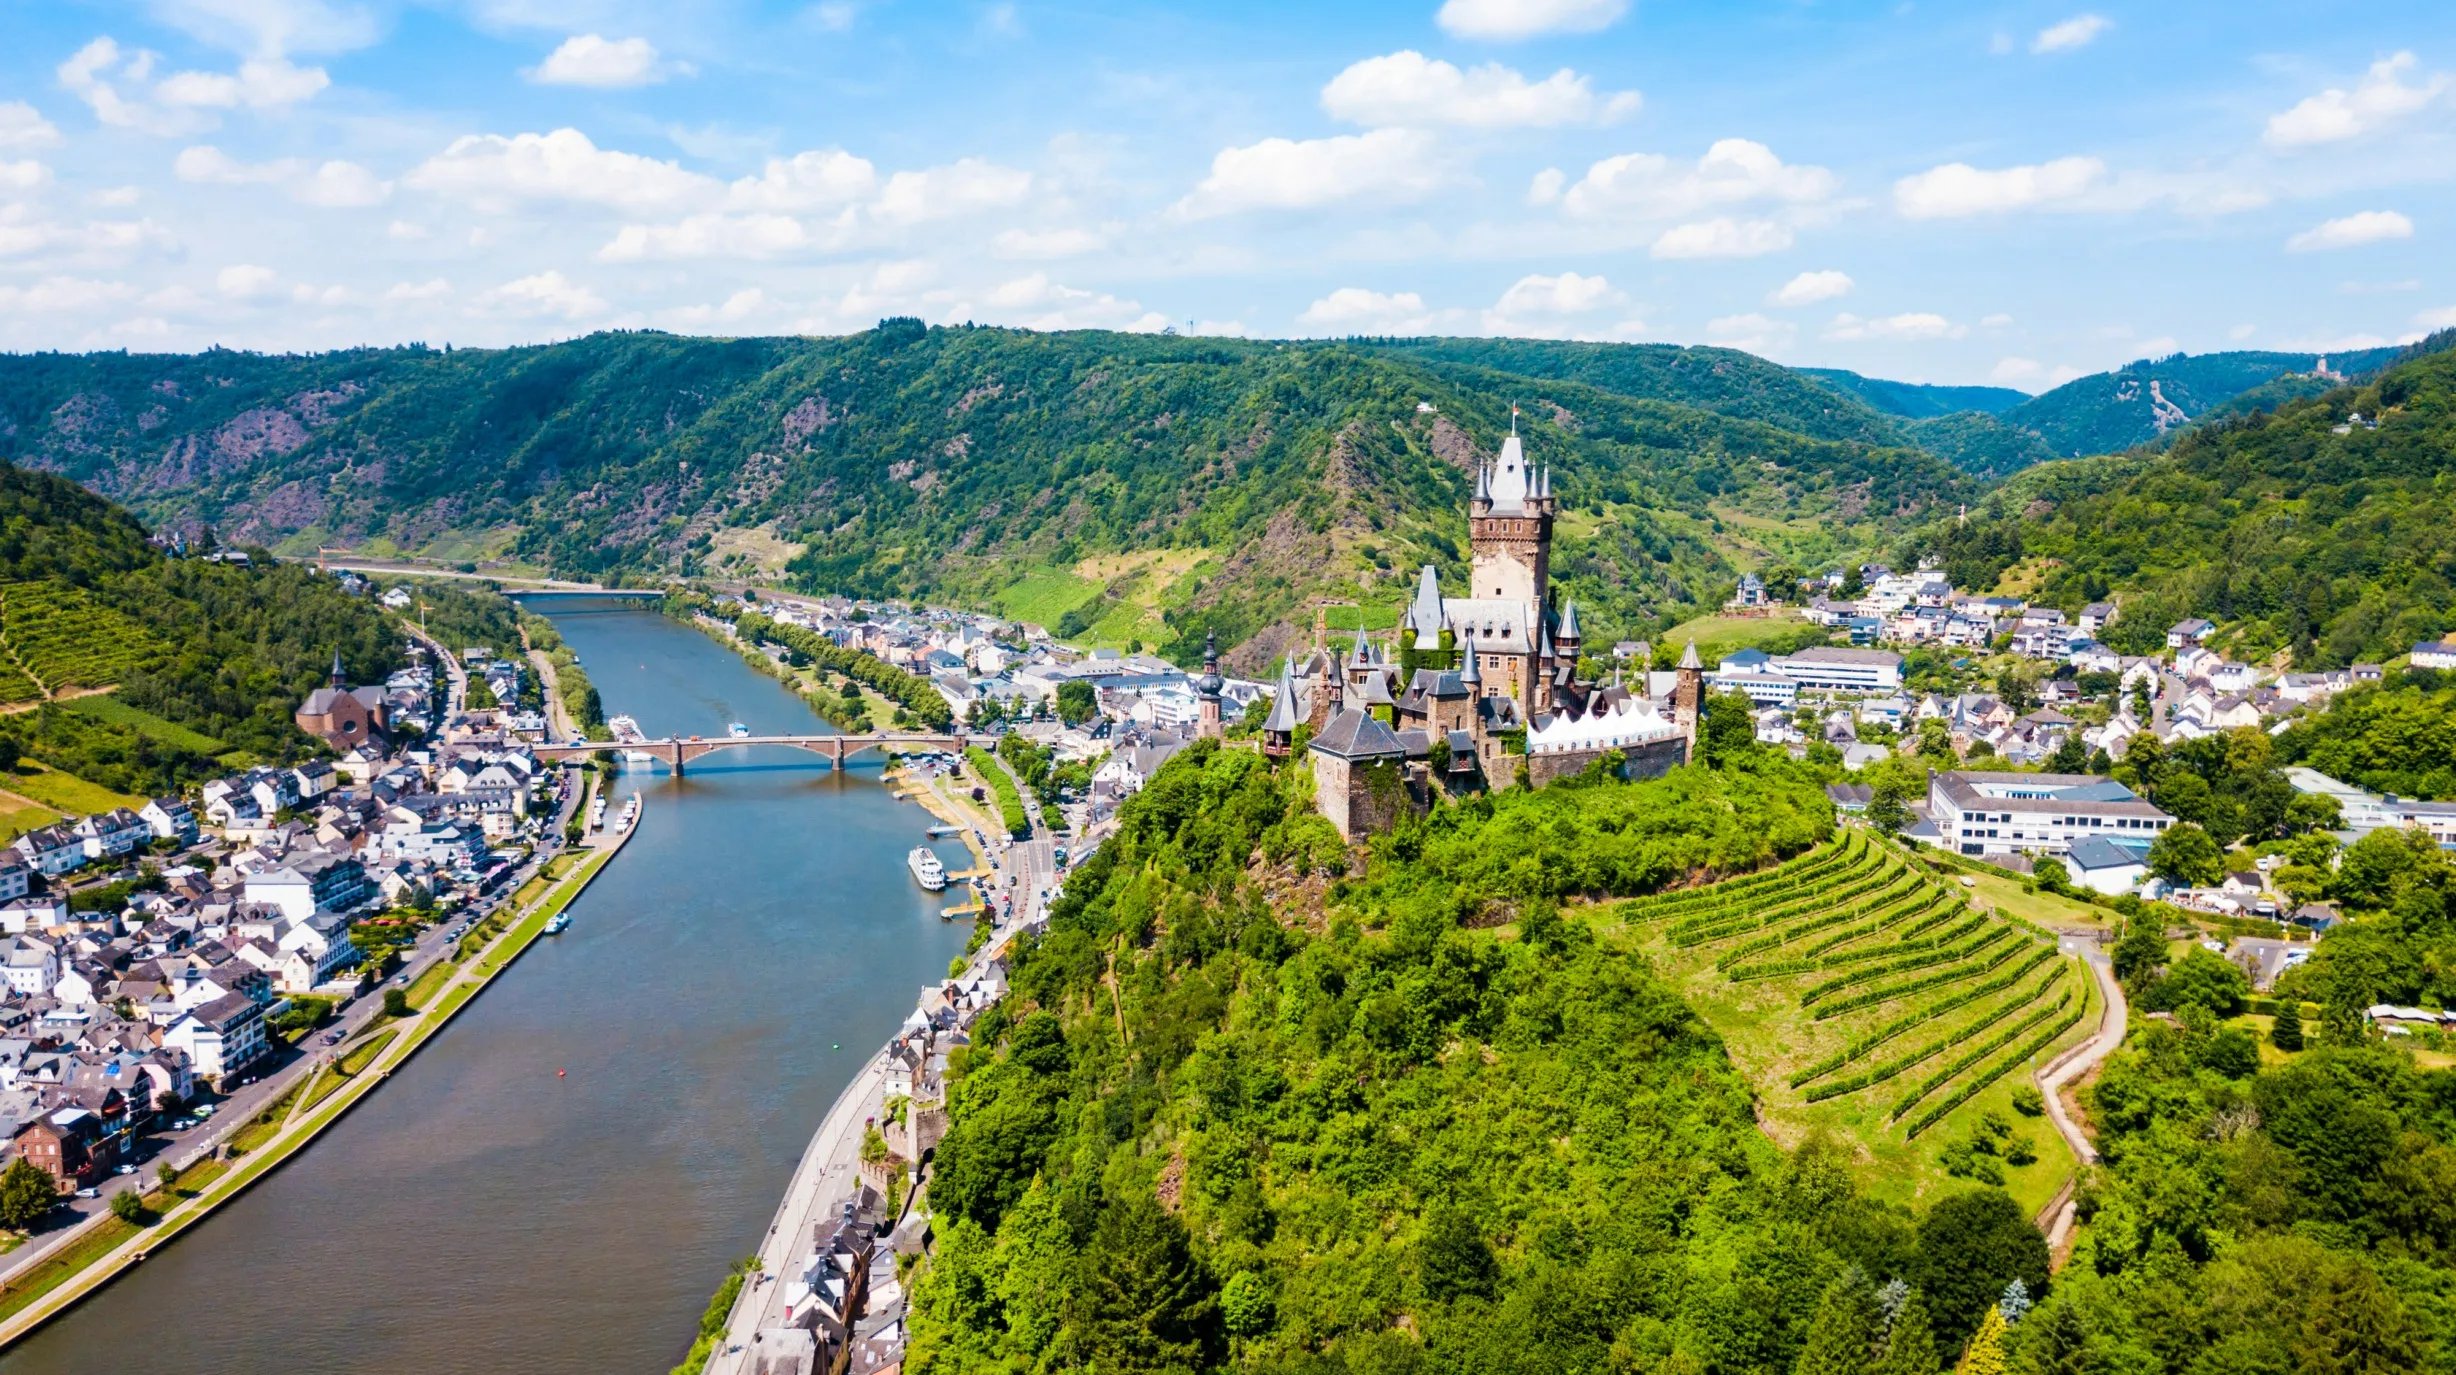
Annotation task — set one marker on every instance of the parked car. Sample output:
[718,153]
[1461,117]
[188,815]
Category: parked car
[89,1193]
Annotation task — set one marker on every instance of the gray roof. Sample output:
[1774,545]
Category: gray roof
[1353,734]
[1284,717]
[1569,620]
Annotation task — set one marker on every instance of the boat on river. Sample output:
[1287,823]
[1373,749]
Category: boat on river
[627,731]
[926,869]
[558,923]
[738,731]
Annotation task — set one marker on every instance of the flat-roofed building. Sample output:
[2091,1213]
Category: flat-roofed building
[2035,813]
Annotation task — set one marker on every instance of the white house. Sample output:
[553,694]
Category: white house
[108,835]
[2106,865]
[2035,813]
[2434,654]
[1841,669]
[221,1037]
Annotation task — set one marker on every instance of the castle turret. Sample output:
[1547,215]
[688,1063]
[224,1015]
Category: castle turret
[1509,525]
[1688,697]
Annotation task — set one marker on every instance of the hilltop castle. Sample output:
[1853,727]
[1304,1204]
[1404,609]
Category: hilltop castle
[1484,691]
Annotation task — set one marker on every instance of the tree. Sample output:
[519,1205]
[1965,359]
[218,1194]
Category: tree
[2071,755]
[1985,1354]
[127,1206]
[9,754]
[2185,854]
[2359,1327]
[2310,812]
[1146,1304]
[1889,804]
[1730,727]
[2141,949]
[1846,1331]
[2287,1033]
[2201,979]
[396,1003]
[1245,1304]
[1971,1246]
[2051,874]
[1077,701]
[27,1195]
[1455,1260]
[1910,1342]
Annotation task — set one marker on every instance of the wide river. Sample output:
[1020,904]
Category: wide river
[719,985]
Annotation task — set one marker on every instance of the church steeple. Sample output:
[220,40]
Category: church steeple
[338,677]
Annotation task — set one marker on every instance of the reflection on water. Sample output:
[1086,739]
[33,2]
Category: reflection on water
[482,1214]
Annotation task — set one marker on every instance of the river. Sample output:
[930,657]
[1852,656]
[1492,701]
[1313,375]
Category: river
[720,983]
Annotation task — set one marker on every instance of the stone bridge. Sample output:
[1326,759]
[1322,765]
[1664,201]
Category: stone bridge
[676,753]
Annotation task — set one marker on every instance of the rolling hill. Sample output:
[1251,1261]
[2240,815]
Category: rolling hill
[2140,402]
[1919,400]
[2300,529]
[1196,483]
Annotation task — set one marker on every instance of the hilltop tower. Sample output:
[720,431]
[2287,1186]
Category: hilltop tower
[1688,697]
[1509,527]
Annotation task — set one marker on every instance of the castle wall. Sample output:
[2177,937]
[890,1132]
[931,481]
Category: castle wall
[1361,799]
[1650,760]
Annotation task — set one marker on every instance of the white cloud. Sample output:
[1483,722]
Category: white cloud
[1566,294]
[1808,288]
[1996,321]
[2437,319]
[1908,327]
[965,187]
[1751,333]
[117,196]
[1048,243]
[273,26]
[407,231]
[734,309]
[588,59]
[241,281]
[1294,174]
[1734,171]
[94,73]
[710,236]
[2352,231]
[2031,375]
[819,179]
[62,295]
[432,289]
[333,184]
[1958,189]
[1545,189]
[1508,20]
[564,165]
[2077,32]
[2381,98]
[1357,310]
[833,16]
[25,175]
[1721,237]
[22,126]
[1034,301]
[1408,88]
[261,83]
[544,294]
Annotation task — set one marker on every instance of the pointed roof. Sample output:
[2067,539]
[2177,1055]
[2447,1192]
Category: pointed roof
[1467,672]
[1688,657]
[1483,481]
[1285,716]
[1569,621]
[1364,651]
[1424,616]
[1509,485]
[1354,734]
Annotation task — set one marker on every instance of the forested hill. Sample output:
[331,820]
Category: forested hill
[1919,400]
[2140,402]
[2302,529]
[1212,483]
[215,654]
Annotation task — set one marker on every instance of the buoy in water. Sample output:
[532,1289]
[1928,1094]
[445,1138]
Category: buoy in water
[558,1074]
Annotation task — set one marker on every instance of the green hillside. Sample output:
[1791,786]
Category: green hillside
[1157,486]
[1979,443]
[206,657]
[2337,546]
[1919,400]
[2111,411]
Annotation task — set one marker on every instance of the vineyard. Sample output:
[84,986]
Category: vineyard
[1869,1000]
[54,636]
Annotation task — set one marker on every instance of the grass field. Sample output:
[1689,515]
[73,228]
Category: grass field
[112,711]
[1877,1004]
[63,792]
[18,818]
[1718,635]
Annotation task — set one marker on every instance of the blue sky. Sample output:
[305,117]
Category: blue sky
[1956,193]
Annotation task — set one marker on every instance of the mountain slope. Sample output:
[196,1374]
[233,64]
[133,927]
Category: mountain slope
[2299,529]
[213,653]
[1979,443]
[907,461]
[1918,400]
[2143,401]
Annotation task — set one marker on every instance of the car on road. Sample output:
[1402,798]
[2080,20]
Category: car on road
[89,1193]
[125,1169]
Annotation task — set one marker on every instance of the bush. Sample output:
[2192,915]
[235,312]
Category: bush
[127,1206]
[396,1003]
[2028,1101]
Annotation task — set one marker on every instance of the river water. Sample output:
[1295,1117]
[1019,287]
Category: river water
[719,985]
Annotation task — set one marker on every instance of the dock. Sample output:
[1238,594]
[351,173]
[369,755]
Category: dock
[970,907]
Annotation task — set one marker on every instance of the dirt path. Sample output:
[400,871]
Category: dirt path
[2063,1070]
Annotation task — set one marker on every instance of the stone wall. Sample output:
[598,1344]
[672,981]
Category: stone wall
[1650,760]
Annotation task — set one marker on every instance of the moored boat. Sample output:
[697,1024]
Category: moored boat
[926,869]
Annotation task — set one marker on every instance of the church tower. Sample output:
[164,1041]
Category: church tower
[1509,526]
[1207,690]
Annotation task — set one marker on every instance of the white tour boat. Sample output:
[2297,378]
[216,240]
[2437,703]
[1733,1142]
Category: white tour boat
[926,868]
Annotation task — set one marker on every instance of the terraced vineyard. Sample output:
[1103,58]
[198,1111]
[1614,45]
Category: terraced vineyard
[54,636]
[1869,1000]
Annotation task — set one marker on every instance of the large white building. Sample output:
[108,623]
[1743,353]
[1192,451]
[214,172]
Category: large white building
[2035,813]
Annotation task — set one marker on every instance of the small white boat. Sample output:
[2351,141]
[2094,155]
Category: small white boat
[556,924]
[931,874]
[738,731]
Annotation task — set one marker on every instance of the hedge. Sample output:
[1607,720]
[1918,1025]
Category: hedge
[1911,1059]
[2001,1068]
[1913,1019]
[1010,804]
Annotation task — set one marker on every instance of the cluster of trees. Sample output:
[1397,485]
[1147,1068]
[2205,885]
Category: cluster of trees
[1224,1120]
[910,692]
[1037,766]
[2336,547]
[2397,737]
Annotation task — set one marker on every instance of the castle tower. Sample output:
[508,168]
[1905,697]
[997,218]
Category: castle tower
[1688,697]
[1206,690]
[1509,527]
[338,677]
